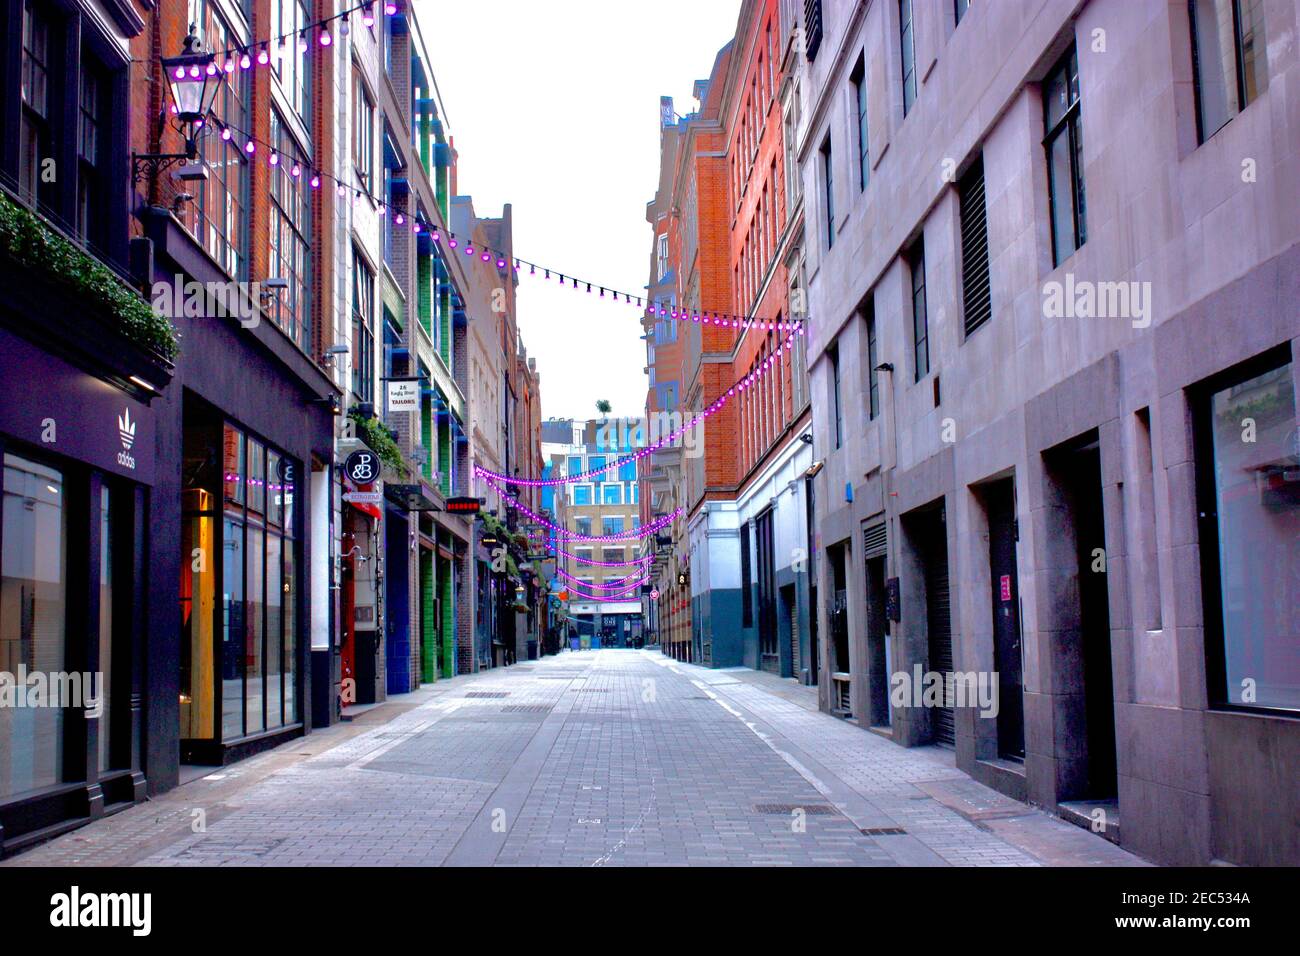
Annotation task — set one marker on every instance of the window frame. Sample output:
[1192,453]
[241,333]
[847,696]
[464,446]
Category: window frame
[921,329]
[1069,124]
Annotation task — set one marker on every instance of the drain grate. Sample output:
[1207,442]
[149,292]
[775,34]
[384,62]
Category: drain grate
[591,690]
[527,709]
[883,831]
[488,693]
[812,809]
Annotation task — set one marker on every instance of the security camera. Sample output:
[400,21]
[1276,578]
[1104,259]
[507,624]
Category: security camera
[192,172]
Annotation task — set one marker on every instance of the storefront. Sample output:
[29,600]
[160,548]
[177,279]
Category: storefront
[78,466]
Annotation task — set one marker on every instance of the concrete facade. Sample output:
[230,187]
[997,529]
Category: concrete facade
[1075,438]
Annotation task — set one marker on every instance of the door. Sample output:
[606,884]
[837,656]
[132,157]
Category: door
[939,622]
[1006,619]
[769,654]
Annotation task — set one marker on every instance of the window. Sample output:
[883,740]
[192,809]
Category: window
[1064,145]
[33,619]
[218,220]
[663,257]
[583,525]
[746,579]
[611,494]
[907,46]
[34,133]
[829,196]
[289,237]
[959,8]
[836,406]
[363,130]
[864,144]
[627,471]
[363,336]
[1229,59]
[920,321]
[575,465]
[90,154]
[611,525]
[873,359]
[790,141]
[812,28]
[582,495]
[1250,548]
[596,463]
[288,20]
[976,297]
[613,555]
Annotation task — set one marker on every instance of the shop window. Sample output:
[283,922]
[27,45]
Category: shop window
[1248,458]
[33,615]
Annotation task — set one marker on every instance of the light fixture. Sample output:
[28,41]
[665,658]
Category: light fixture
[193,87]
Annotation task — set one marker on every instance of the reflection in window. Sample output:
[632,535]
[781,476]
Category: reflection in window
[33,611]
[1229,54]
[1256,449]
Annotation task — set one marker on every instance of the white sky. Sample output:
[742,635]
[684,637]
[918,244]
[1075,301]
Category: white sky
[554,106]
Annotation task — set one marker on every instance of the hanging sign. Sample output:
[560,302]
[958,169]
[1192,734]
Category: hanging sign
[403,395]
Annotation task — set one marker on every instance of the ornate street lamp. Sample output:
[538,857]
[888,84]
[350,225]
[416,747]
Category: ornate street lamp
[194,81]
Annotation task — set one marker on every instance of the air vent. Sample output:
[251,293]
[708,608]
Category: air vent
[883,831]
[976,298]
[488,693]
[874,543]
[812,28]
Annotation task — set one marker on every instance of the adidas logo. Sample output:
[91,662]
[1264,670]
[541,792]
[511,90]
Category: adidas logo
[126,428]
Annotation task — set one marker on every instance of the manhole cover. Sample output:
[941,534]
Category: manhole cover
[813,809]
[488,693]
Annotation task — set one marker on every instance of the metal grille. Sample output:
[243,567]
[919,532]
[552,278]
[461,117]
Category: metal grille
[812,809]
[488,693]
[874,541]
[883,831]
[527,709]
[812,27]
[976,297]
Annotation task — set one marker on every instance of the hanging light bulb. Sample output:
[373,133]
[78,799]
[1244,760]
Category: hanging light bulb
[345,27]
[245,62]
[315,181]
[399,219]
[390,8]
[325,38]
[295,171]
[302,42]
[275,158]
[368,15]
[263,56]
[230,66]
[250,148]
[225,133]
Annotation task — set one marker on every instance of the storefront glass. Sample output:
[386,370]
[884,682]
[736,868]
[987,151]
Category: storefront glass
[33,613]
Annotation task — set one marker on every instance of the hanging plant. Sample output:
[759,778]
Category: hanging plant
[381,440]
[31,244]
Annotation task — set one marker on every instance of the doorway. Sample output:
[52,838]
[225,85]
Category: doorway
[1000,503]
[932,535]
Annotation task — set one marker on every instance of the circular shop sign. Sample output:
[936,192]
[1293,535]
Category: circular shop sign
[362,467]
[654,594]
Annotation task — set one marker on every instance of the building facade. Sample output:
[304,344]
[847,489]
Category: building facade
[1051,266]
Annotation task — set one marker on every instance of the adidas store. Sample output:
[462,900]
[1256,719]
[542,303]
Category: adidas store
[77,445]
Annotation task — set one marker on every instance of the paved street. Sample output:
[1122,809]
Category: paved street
[598,758]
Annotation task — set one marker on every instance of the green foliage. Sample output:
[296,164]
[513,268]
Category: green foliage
[604,406]
[28,242]
[379,438]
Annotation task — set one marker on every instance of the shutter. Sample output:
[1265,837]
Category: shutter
[976,299]
[939,626]
[812,27]
[874,541]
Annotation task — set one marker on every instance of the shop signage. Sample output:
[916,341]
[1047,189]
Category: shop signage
[363,497]
[1004,587]
[362,467]
[54,406]
[463,505]
[403,395]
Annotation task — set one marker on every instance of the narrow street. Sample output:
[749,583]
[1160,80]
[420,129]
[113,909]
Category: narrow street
[593,758]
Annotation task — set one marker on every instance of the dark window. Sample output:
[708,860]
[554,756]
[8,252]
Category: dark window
[920,320]
[34,132]
[289,236]
[864,142]
[836,404]
[583,525]
[828,168]
[812,27]
[746,580]
[907,46]
[959,8]
[976,297]
[91,196]
[363,336]
[611,525]
[1248,459]
[873,359]
[1229,58]
[1064,145]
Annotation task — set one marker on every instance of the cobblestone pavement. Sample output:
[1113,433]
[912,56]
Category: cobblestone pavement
[597,758]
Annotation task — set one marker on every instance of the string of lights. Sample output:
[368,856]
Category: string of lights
[634,534]
[618,583]
[573,589]
[738,387]
[600,564]
[315,177]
